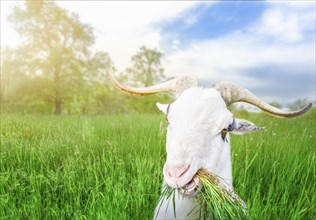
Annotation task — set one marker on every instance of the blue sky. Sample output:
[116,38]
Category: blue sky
[267,47]
[205,22]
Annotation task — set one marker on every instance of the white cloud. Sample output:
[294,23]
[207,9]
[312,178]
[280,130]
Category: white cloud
[123,27]
[287,21]
[235,53]
[278,39]
[276,23]
[191,19]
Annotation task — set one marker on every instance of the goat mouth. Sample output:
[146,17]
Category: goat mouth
[192,187]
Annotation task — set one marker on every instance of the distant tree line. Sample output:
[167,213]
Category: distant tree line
[55,71]
[295,105]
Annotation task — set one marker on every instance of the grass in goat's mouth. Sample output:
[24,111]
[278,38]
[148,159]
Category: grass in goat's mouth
[215,201]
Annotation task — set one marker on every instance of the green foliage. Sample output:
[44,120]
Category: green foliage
[276,104]
[110,167]
[57,52]
[146,69]
[147,104]
[298,104]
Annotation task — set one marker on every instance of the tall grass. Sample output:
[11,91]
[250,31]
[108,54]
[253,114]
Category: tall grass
[275,171]
[110,167]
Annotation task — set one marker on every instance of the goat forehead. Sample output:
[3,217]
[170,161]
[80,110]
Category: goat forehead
[198,109]
[197,99]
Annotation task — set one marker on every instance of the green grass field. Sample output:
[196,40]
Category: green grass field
[110,167]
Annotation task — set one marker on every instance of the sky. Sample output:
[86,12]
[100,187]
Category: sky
[266,46]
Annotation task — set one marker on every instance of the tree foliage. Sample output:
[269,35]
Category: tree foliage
[298,104]
[146,69]
[276,104]
[55,71]
[57,46]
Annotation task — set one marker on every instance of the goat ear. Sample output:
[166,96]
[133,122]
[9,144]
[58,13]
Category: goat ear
[241,126]
[162,107]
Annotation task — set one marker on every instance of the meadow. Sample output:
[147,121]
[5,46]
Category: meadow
[110,167]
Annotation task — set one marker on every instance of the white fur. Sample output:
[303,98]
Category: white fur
[194,139]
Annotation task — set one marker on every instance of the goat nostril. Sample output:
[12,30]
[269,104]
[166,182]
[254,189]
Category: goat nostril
[169,174]
[175,172]
[184,171]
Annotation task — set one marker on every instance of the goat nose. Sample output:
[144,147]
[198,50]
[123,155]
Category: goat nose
[176,172]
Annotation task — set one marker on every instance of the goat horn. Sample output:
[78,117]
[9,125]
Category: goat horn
[176,85]
[232,93]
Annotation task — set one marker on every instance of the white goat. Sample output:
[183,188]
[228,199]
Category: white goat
[197,136]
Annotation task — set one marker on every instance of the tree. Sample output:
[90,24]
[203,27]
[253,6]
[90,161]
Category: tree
[57,44]
[146,69]
[18,86]
[298,104]
[276,104]
[95,85]
[9,69]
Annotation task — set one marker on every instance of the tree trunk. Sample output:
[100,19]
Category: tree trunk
[57,106]
[57,89]
[1,95]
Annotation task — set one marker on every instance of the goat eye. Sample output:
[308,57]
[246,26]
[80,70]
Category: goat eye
[223,134]
[167,120]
